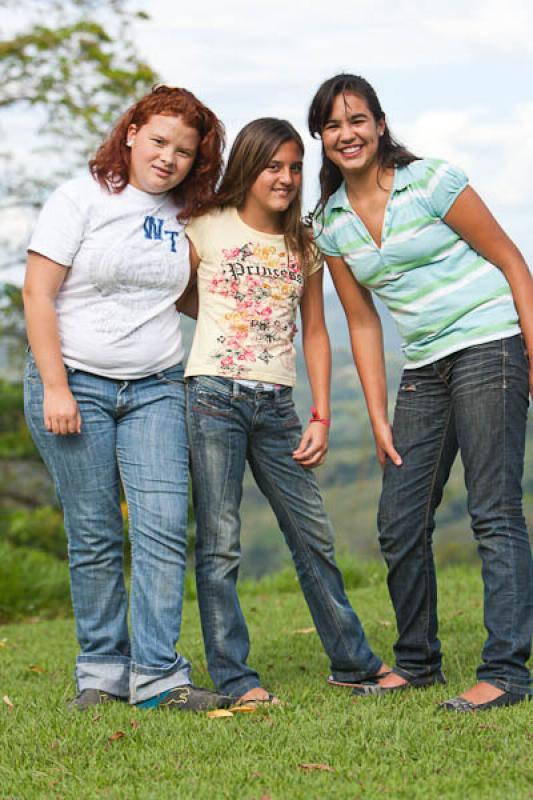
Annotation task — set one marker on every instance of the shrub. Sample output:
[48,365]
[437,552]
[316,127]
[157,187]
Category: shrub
[31,583]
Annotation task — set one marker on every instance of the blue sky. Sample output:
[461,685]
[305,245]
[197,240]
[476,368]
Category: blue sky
[454,77]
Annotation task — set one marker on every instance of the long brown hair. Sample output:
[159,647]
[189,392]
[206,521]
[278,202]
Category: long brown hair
[391,153]
[111,165]
[252,151]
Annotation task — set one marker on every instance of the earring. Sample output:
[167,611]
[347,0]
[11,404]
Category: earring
[129,143]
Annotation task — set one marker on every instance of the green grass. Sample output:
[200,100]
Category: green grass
[393,747]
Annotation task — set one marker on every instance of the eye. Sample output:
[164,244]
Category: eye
[297,168]
[274,167]
[159,142]
[331,125]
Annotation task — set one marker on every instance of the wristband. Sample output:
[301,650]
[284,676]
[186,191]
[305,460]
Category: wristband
[315,417]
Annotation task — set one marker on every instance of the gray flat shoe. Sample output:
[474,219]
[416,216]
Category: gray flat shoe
[91,697]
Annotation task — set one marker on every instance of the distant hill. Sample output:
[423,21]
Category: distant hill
[338,329]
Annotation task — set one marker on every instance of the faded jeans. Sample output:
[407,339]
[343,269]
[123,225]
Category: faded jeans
[474,401]
[228,425]
[132,432]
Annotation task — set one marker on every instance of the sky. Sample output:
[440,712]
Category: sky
[455,78]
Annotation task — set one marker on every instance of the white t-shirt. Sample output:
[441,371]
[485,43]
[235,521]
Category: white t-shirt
[249,290]
[128,261]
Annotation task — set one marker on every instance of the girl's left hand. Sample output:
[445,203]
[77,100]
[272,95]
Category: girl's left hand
[313,447]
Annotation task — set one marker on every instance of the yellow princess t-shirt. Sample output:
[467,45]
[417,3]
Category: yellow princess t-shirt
[249,289]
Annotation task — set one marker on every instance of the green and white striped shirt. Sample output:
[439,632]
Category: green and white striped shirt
[441,293]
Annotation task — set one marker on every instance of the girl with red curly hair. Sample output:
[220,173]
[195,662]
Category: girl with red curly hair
[104,395]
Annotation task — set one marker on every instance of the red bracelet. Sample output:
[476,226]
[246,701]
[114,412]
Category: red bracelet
[315,417]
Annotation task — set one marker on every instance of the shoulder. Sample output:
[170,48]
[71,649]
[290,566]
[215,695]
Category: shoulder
[434,183]
[81,188]
[211,220]
[426,172]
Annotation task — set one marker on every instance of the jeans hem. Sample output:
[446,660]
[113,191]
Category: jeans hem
[108,674]
[144,684]
[237,690]
[508,686]
[356,676]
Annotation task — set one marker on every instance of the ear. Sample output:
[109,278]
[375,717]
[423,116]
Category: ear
[131,134]
[382,124]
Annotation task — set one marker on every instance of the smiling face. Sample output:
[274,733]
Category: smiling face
[277,185]
[162,153]
[351,135]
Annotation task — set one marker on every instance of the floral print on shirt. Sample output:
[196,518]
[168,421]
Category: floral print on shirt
[264,287]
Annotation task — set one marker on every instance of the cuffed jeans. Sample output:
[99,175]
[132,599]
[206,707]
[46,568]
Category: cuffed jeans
[475,401]
[134,432]
[228,425]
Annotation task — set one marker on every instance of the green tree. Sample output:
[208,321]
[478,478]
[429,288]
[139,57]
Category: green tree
[73,70]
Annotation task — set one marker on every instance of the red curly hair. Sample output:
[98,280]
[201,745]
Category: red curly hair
[111,165]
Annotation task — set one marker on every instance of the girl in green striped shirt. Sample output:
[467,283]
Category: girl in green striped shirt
[417,235]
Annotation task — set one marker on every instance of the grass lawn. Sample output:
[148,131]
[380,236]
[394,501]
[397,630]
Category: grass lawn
[392,747]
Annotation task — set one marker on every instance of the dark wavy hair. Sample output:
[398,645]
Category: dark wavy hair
[252,151]
[390,152]
[111,164]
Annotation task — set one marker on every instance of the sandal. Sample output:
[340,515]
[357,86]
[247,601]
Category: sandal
[350,684]
[373,688]
[270,699]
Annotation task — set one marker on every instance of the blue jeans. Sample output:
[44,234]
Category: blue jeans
[132,432]
[475,401]
[228,425]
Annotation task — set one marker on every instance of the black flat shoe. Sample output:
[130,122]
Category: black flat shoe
[463,706]
[372,688]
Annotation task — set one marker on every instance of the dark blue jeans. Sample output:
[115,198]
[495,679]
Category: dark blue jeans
[474,401]
[228,425]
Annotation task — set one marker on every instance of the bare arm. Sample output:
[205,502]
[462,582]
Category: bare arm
[42,283]
[471,219]
[313,447]
[188,302]
[366,339]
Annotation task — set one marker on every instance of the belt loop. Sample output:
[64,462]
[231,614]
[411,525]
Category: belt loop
[235,390]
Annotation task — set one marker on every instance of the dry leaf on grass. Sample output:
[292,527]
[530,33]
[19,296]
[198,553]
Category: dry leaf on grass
[305,630]
[37,668]
[219,712]
[385,622]
[116,736]
[244,709]
[8,702]
[135,724]
[3,643]
[320,767]
[96,718]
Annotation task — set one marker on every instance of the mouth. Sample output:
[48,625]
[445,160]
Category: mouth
[163,173]
[351,151]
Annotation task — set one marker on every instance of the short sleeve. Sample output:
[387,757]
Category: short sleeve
[445,185]
[194,231]
[59,230]
[324,239]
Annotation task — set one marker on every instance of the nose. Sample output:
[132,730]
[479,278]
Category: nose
[347,133]
[166,155]
[286,176]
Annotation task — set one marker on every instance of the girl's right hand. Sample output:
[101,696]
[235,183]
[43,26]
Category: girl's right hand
[385,444]
[60,411]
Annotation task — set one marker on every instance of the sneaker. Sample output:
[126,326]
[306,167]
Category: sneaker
[187,698]
[90,697]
